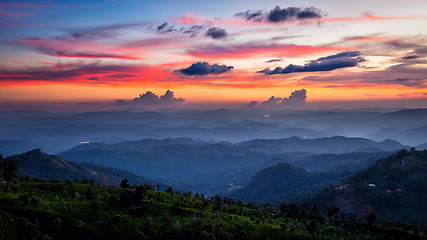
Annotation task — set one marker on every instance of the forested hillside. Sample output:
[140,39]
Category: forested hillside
[394,187]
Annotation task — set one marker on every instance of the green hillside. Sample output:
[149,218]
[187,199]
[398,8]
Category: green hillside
[37,164]
[394,187]
[49,210]
[34,209]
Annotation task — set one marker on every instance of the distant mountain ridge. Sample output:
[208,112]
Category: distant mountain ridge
[56,132]
[337,144]
[41,165]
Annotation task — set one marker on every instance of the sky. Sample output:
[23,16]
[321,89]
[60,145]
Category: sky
[86,55]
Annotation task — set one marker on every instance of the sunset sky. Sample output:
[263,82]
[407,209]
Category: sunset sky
[98,54]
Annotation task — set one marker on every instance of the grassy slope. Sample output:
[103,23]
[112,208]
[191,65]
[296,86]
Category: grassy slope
[61,211]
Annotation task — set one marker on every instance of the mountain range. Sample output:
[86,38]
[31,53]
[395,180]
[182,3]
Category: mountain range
[213,167]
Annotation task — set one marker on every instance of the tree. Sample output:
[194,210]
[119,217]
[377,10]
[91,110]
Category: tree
[90,195]
[169,190]
[416,230]
[312,227]
[9,168]
[332,211]
[371,218]
[124,183]
[94,205]
[315,213]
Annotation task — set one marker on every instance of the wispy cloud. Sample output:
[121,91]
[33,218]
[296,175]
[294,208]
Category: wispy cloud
[81,72]
[253,49]
[72,48]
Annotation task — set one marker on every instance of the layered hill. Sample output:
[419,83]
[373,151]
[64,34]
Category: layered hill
[38,164]
[213,166]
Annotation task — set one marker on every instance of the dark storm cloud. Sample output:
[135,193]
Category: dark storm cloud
[309,13]
[329,63]
[216,33]
[204,68]
[151,99]
[278,14]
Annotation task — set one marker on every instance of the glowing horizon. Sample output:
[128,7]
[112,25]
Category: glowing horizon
[106,50]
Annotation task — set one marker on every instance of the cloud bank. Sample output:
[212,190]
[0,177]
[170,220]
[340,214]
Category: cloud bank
[329,63]
[151,99]
[297,99]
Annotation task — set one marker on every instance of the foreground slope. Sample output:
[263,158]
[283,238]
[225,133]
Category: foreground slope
[65,211]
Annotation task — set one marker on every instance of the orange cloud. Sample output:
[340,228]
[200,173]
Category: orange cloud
[85,73]
[368,39]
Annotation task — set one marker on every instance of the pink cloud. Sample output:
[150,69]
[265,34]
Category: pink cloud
[371,17]
[74,48]
[187,19]
[81,72]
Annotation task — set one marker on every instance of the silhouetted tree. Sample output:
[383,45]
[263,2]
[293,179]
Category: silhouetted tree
[332,211]
[9,168]
[124,183]
[371,218]
[312,227]
[94,205]
[90,195]
[169,190]
[416,230]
